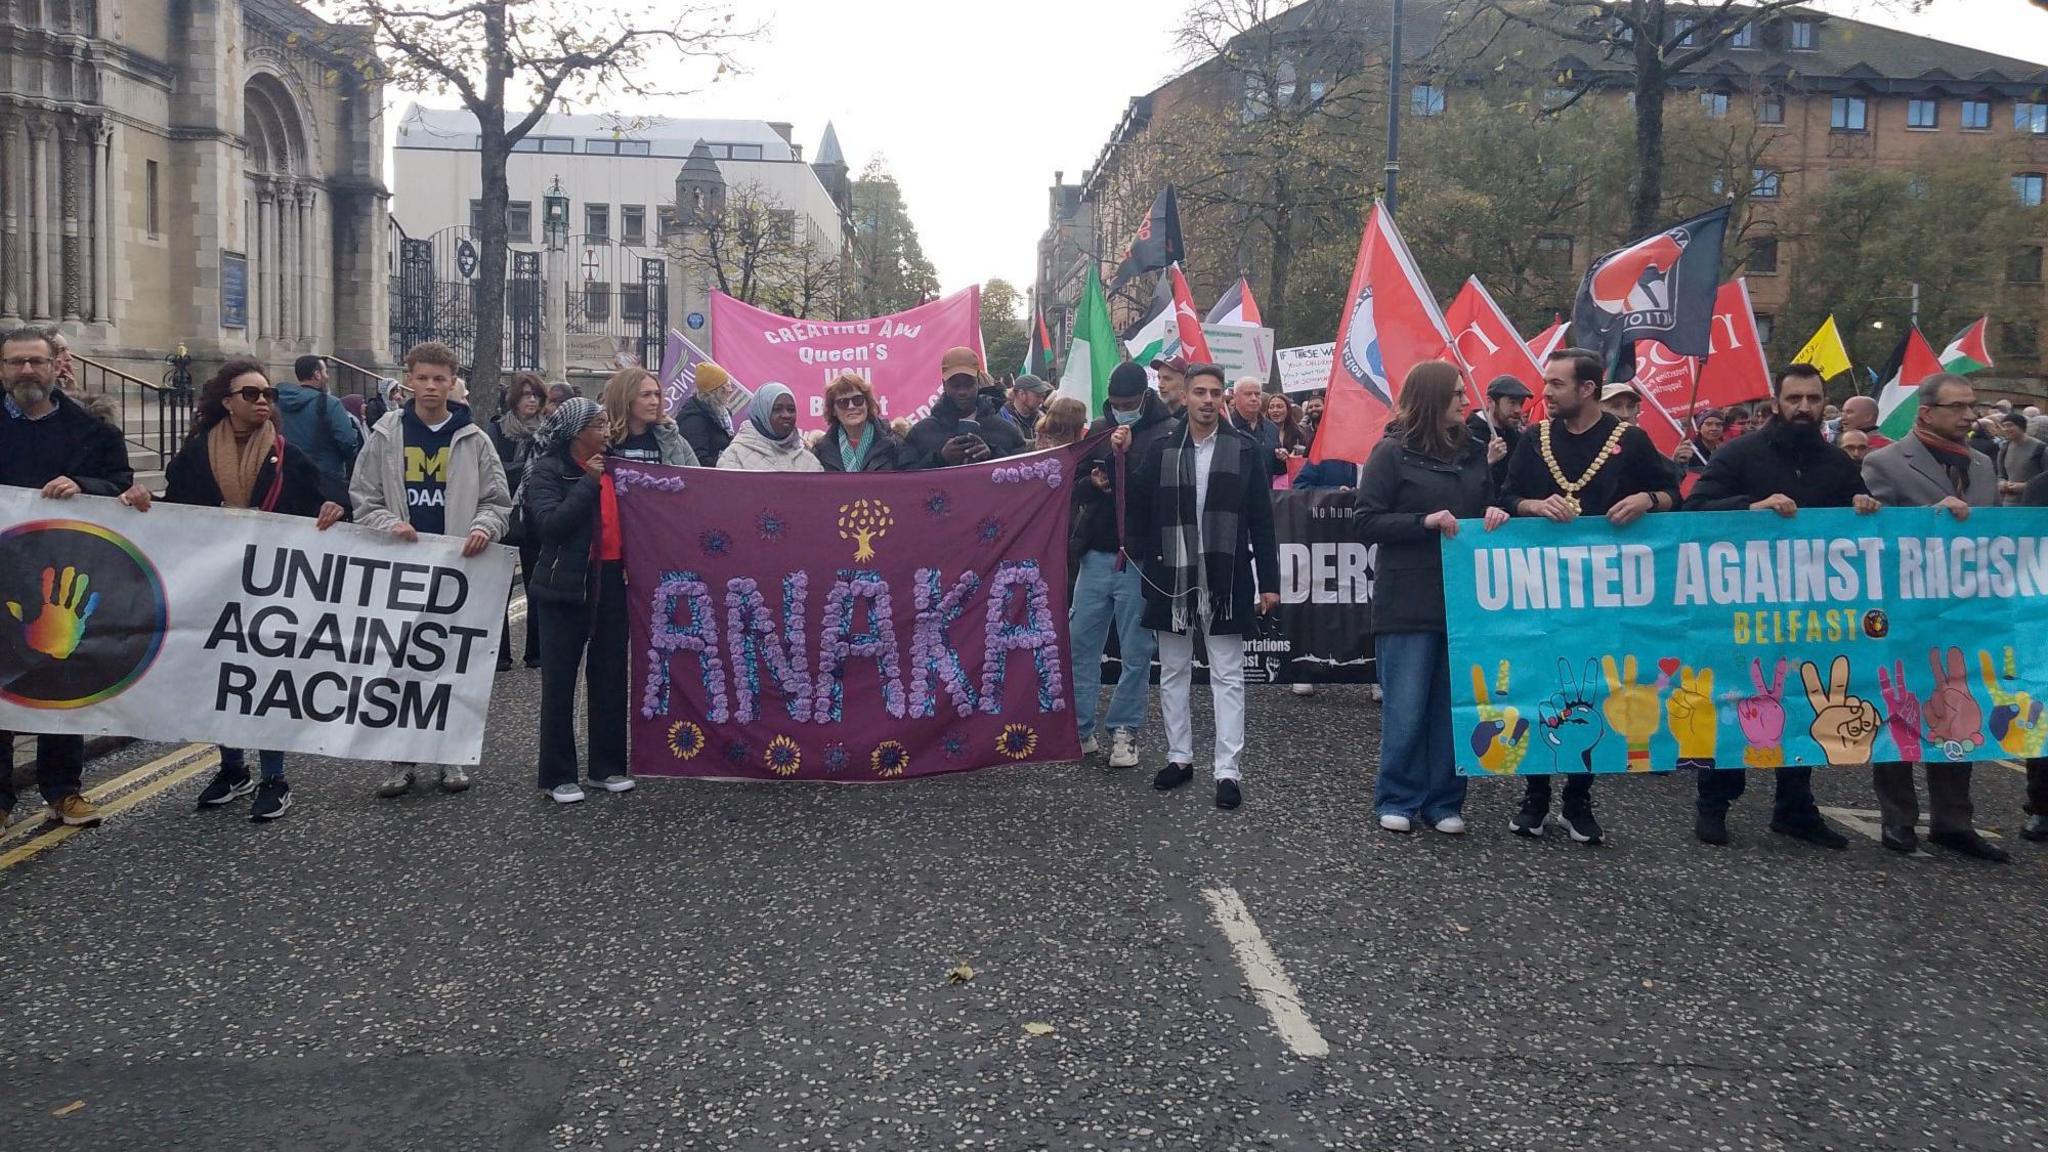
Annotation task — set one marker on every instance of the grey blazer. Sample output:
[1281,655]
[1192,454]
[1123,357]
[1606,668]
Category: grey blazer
[1904,474]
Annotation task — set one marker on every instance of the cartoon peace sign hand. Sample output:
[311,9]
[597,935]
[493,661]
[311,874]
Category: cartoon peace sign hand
[1571,722]
[1501,738]
[1631,709]
[1844,726]
[1902,710]
[59,627]
[1693,719]
[1763,717]
[2015,716]
[1953,715]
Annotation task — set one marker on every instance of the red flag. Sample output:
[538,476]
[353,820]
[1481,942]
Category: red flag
[1488,344]
[1678,385]
[1549,340]
[1187,321]
[1391,323]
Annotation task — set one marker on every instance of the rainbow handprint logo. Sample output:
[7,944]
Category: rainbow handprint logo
[60,624]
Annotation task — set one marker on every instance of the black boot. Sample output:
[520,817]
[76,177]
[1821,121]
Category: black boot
[1711,828]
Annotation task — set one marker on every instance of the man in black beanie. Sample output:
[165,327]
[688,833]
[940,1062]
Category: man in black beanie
[1105,592]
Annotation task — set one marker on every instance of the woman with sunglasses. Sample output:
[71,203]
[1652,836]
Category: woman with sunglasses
[856,439]
[236,458]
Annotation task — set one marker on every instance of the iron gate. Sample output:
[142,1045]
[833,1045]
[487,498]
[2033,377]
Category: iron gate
[435,295]
[620,291]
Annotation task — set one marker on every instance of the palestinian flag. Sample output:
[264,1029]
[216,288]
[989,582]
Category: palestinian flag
[1237,308]
[1968,352]
[1038,350]
[1897,403]
[1154,335]
[1094,351]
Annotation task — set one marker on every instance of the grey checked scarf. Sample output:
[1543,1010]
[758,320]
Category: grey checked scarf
[1193,549]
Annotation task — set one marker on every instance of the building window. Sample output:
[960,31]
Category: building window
[1770,110]
[1554,254]
[1916,186]
[151,211]
[2028,186]
[476,215]
[1805,36]
[1426,100]
[1766,325]
[1763,257]
[2018,339]
[597,300]
[1764,183]
[600,147]
[2030,118]
[1687,37]
[1923,113]
[519,222]
[635,148]
[1744,36]
[1716,104]
[2025,265]
[743,152]
[665,221]
[633,223]
[597,221]
[1976,115]
[1848,114]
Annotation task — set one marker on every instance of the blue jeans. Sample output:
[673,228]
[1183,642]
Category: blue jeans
[1418,770]
[1103,595]
[272,763]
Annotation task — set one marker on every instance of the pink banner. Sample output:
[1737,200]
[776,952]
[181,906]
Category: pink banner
[898,354]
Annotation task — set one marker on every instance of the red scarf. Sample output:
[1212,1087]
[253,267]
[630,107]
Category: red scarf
[611,544]
[1955,456]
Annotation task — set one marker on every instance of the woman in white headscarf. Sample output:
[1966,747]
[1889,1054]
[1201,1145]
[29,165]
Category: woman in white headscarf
[769,440]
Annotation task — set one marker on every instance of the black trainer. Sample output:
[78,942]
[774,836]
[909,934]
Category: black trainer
[1173,776]
[1580,825]
[1712,828]
[226,786]
[1900,838]
[1228,794]
[273,797]
[1816,832]
[2036,829]
[1529,821]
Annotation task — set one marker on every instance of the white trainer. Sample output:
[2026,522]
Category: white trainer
[1451,825]
[566,794]
[1090,746]
[1389,822]
[619,783]
[1123,749]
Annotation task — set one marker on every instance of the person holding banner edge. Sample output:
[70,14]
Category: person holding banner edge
[1425,475]
[1935,467]
[428,468]
[1781,467]
[1583,460]
[237,458]
[1201,515]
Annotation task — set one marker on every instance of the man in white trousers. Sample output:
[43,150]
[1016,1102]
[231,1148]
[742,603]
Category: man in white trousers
[1200,520]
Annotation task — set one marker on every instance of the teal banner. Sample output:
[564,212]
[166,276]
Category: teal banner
[1747,640]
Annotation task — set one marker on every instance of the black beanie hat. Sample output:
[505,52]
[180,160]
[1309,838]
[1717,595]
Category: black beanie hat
[1127,380]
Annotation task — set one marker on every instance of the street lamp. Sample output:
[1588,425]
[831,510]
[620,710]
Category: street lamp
[554,215]
[1913,296]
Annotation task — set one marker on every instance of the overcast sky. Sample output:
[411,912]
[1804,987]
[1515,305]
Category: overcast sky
[976,105]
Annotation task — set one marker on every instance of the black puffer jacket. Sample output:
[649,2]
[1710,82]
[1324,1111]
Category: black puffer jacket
[698,420]
[561,516]
[1095,508]
[1397,489]
[927,436]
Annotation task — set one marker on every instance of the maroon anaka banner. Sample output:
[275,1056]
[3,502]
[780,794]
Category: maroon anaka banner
[856,627]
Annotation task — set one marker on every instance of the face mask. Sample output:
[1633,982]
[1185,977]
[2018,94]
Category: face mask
[1123,417]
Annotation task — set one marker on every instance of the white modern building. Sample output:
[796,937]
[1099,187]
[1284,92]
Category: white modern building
[613,288]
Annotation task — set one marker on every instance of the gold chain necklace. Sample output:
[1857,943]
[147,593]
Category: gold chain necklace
[1570,489]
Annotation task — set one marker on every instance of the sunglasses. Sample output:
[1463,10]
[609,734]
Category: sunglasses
[854,401]
[255,395]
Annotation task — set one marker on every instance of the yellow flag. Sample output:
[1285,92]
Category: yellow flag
[1825,351]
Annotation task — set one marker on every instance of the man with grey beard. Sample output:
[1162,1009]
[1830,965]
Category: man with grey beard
[51,444]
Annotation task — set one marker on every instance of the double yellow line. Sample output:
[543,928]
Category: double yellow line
[116,796]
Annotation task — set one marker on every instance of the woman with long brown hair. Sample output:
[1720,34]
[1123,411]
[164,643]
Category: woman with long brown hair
[856,439]
[1284,416]
[237,458]
[639,430]
[1423,477]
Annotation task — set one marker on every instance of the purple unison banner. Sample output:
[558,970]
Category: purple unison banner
[852,627]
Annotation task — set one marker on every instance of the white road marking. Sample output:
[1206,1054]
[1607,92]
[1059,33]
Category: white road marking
[515,610]
[1870,824]
[1263,972]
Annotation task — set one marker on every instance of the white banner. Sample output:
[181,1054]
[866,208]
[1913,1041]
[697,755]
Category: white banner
[245,629]
[1241,351]
[1307,368]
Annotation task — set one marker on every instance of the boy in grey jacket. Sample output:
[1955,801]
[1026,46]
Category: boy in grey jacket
[428,469]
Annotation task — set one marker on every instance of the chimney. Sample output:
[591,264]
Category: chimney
[781,129]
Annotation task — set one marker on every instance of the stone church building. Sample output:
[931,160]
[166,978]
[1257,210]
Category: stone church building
[199,172]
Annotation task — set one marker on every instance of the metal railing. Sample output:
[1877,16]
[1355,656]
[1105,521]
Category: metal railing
[346,379]
[153,417]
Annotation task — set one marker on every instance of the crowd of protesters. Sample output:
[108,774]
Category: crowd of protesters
[1189,458]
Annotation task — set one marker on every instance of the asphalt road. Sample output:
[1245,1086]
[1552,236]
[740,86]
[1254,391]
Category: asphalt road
[697,966]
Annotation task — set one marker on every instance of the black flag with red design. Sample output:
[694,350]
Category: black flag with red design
[1659,288]
[1157,243]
